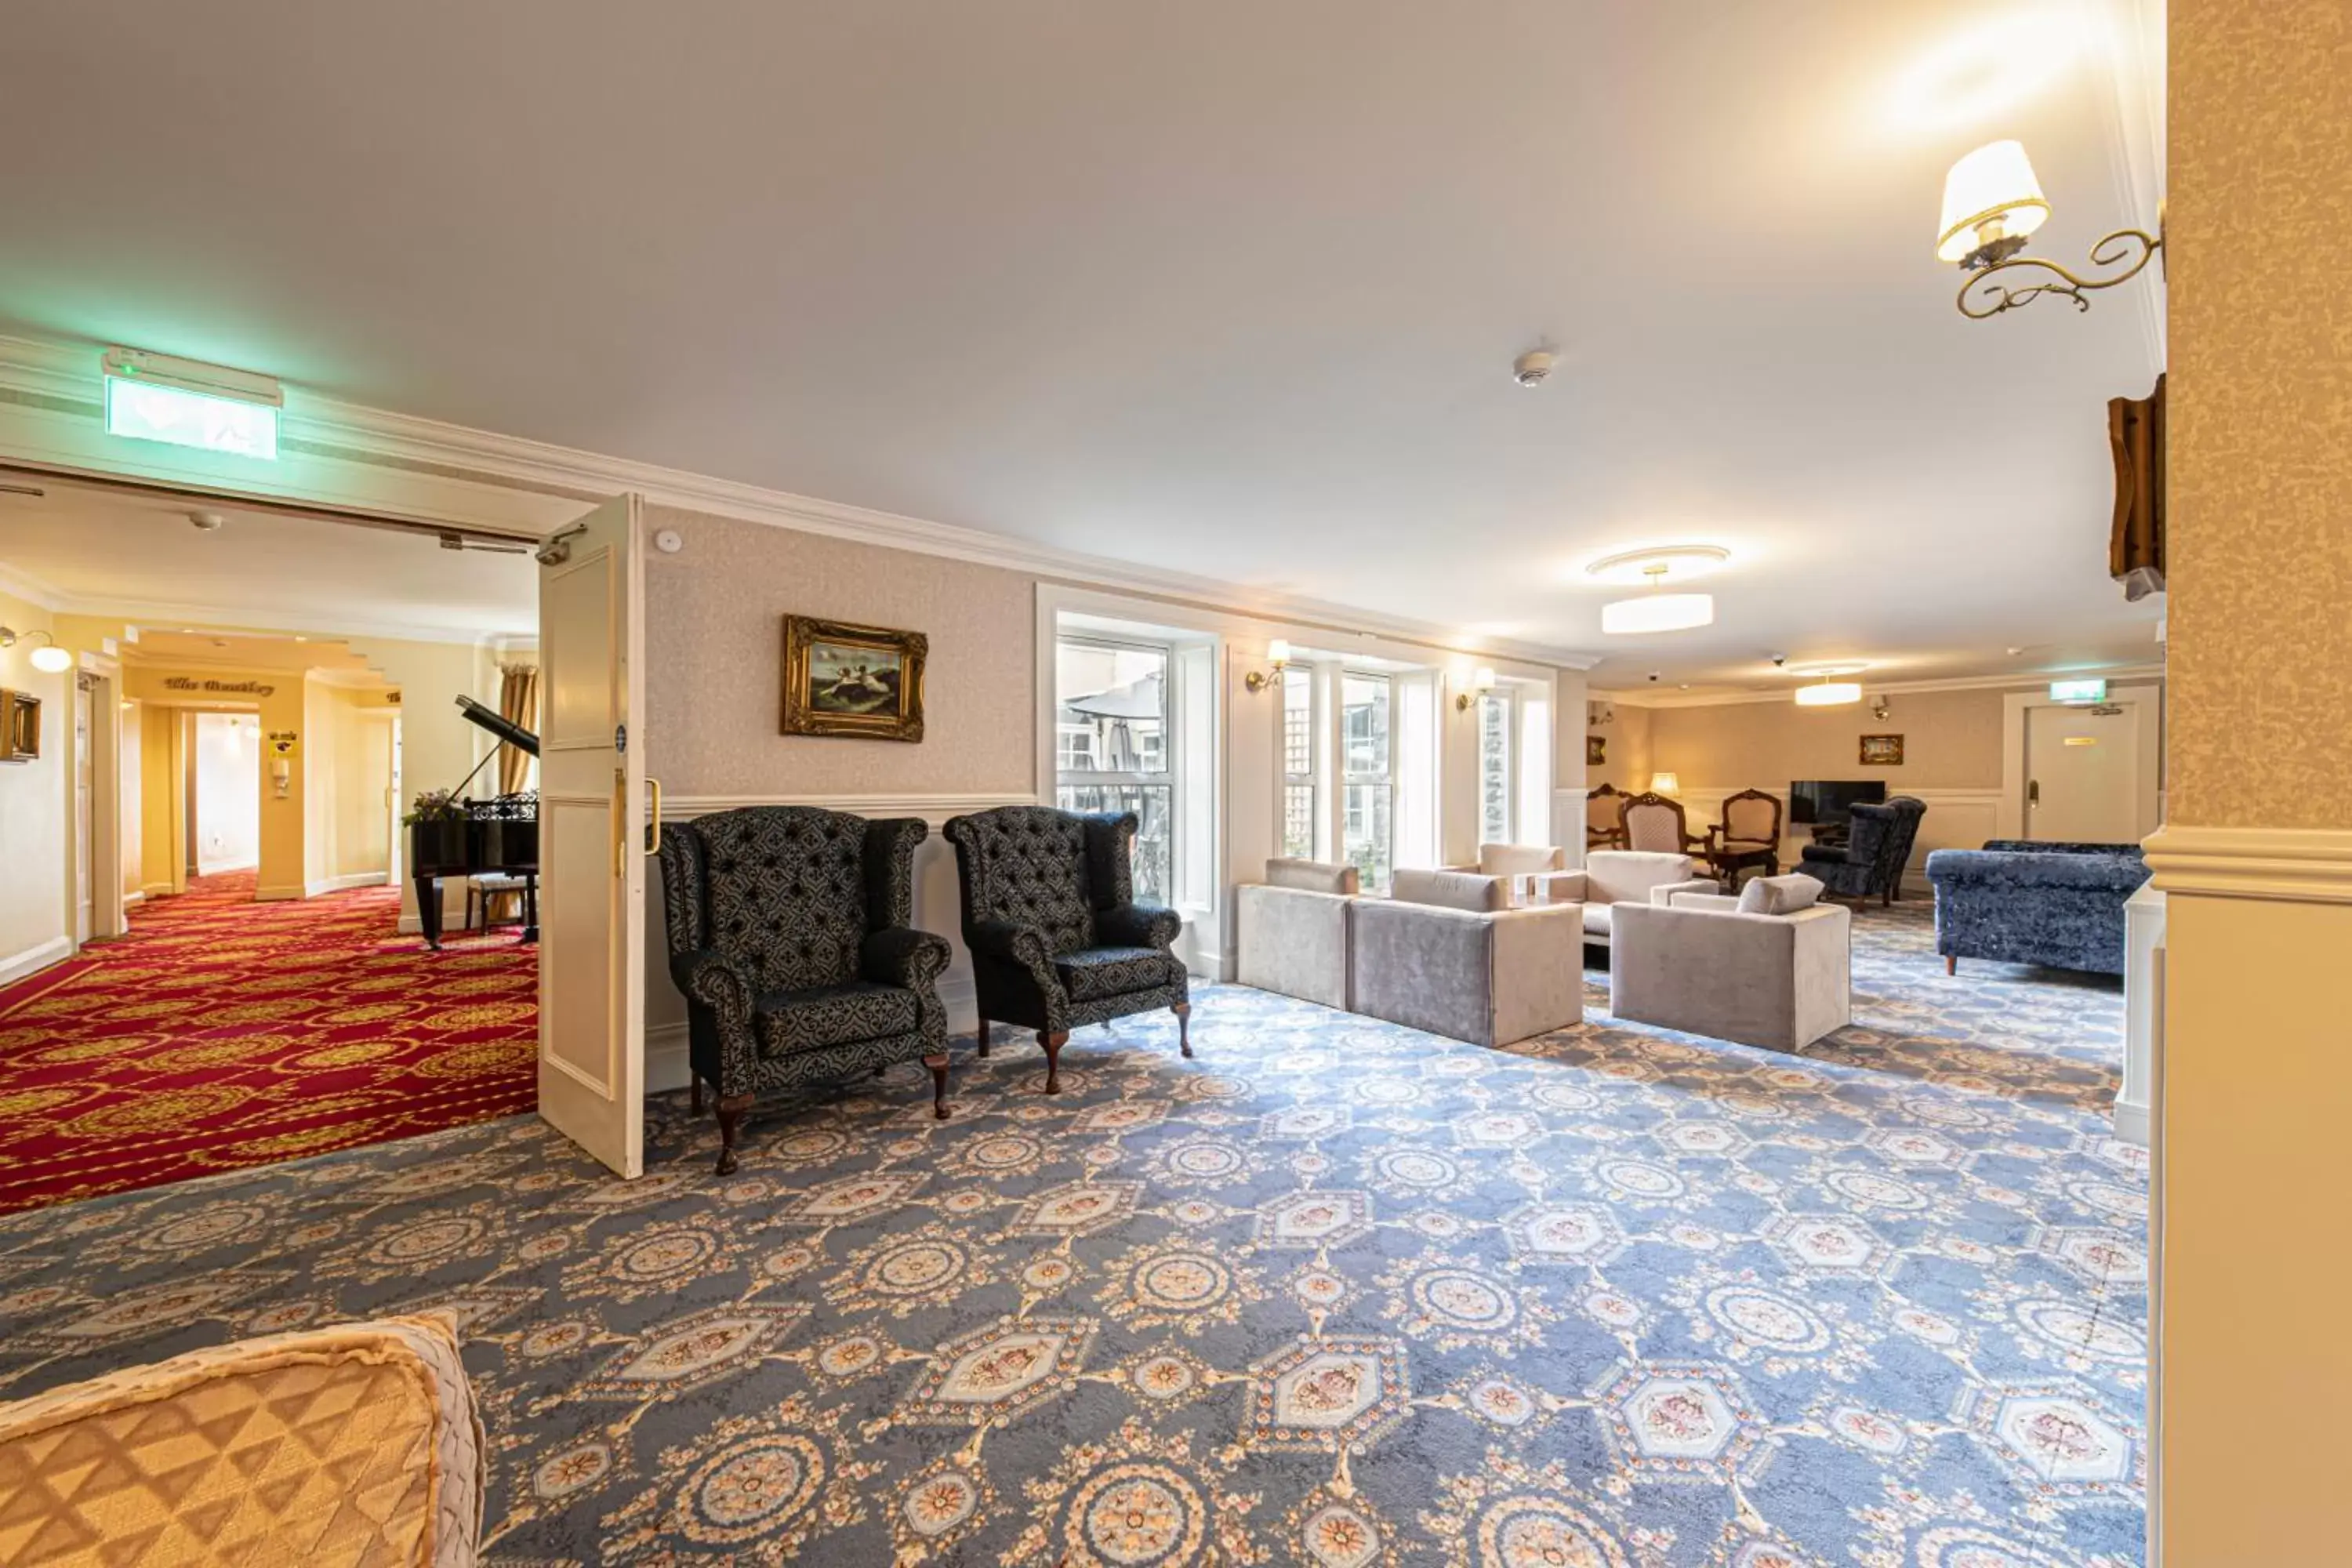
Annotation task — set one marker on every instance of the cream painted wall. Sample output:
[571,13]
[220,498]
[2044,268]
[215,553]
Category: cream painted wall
[131,799]
[363,771]
[1625,764]
[714,658]
[34,931]
[438,746]
[1951,740]
[2253,1365]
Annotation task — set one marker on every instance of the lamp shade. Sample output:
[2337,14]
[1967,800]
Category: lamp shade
[1483,679]
[1278,650]
[1993,185]
[1664,784]
[1829,694]
[1658,613]
[52,659]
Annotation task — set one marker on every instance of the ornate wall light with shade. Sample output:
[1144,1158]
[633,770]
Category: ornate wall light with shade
[48,658]
[1658,568]
[1277,655]
[1992,203]
[1481,683]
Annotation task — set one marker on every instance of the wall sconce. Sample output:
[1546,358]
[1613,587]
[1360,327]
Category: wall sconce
[1277,654]
[1481,682]
[1599,713]
[1880,707]
[49,658]
[1992,204]
[281,775]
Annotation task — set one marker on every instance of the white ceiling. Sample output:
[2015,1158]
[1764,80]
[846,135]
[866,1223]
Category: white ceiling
[1224,288]
[140,558]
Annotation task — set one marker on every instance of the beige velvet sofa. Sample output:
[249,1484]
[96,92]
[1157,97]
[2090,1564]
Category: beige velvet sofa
[1614,876]
[1291,930]
[353,1445]
[1444,953]
[1749,968]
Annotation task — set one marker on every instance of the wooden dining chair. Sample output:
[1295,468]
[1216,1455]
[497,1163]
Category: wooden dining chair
[1605,819]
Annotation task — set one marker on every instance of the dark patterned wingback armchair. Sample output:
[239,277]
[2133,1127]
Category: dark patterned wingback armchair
[1057,939]
[790,931]
[1870,859]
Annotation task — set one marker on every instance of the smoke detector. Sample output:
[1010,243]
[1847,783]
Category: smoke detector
[1533,368]
[205,521]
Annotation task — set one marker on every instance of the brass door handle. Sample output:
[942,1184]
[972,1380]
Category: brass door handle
[654,827]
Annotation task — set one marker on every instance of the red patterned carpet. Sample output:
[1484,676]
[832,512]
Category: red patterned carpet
[222,1033]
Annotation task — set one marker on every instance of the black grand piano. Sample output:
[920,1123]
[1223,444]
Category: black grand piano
[497,835]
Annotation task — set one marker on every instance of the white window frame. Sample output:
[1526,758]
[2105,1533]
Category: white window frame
[1287,779]
[1168,777]
[1350,779]
[1500,707]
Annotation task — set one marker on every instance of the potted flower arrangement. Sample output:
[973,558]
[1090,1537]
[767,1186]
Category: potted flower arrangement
[436,829]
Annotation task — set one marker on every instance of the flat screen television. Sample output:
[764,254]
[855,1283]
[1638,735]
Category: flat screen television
[1827,803]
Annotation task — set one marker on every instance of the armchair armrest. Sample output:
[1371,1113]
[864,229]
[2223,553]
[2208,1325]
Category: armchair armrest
[1716,903]
[912,960]
[1138,925]
[1826,854]
[1009,943]
[1664,894]
[1561,887]
[716,981]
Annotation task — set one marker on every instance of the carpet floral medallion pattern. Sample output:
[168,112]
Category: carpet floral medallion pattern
[1333,1293]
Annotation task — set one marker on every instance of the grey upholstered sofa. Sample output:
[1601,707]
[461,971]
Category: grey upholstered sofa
[1613,877]
[1057,939]
[1290,932]
[2016,902]
[1443,954]
[790,931]
[1770,967]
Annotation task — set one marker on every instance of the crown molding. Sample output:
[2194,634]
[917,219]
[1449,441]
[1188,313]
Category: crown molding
[31,589]
[2291,865]
[2026,682]
[212,618]
[62,379]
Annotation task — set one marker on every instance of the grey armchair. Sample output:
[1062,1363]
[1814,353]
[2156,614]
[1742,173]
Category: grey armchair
[790,931]
[1057,939]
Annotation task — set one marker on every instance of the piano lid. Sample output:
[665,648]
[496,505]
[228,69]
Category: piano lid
[505,728]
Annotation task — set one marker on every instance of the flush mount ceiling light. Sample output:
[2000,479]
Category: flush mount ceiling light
[1828,690]
[1992,204]
[1658,611]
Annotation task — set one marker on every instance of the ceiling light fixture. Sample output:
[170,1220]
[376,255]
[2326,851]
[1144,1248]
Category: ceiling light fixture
[1992,204]
[1657,611]
[48,658]
[1829,687]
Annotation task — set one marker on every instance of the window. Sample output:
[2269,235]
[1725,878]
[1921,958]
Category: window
[1367,833]
[1111,746]
[1494,773]
[1298,763]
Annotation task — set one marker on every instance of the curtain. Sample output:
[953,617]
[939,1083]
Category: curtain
[517,704]
[2135,552]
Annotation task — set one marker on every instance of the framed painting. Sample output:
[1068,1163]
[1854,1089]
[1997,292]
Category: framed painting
[1881,751]
[20,727]
[846,679]
[1596,751]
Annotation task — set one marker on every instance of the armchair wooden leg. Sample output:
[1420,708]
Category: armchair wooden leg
[1183,1011]
[695,1079]
[1951,963]
[938,1065]
[982,1036]
[731,1108]
[1053,1044]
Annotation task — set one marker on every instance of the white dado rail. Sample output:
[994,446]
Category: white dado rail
[937,907]
[1955,819]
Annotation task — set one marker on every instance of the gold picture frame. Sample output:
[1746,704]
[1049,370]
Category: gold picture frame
[1881,751]
[1596,751]
[844,679]
[20,727]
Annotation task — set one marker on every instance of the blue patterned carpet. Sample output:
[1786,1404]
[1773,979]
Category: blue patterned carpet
[1333,1293]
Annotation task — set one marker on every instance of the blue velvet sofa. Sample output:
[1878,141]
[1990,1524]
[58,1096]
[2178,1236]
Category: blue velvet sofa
[2014,902]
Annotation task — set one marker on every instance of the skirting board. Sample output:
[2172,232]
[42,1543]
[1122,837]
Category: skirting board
[345,883]
[2131,1123]
[18,965]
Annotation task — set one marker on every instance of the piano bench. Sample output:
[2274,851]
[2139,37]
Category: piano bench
[487,885]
